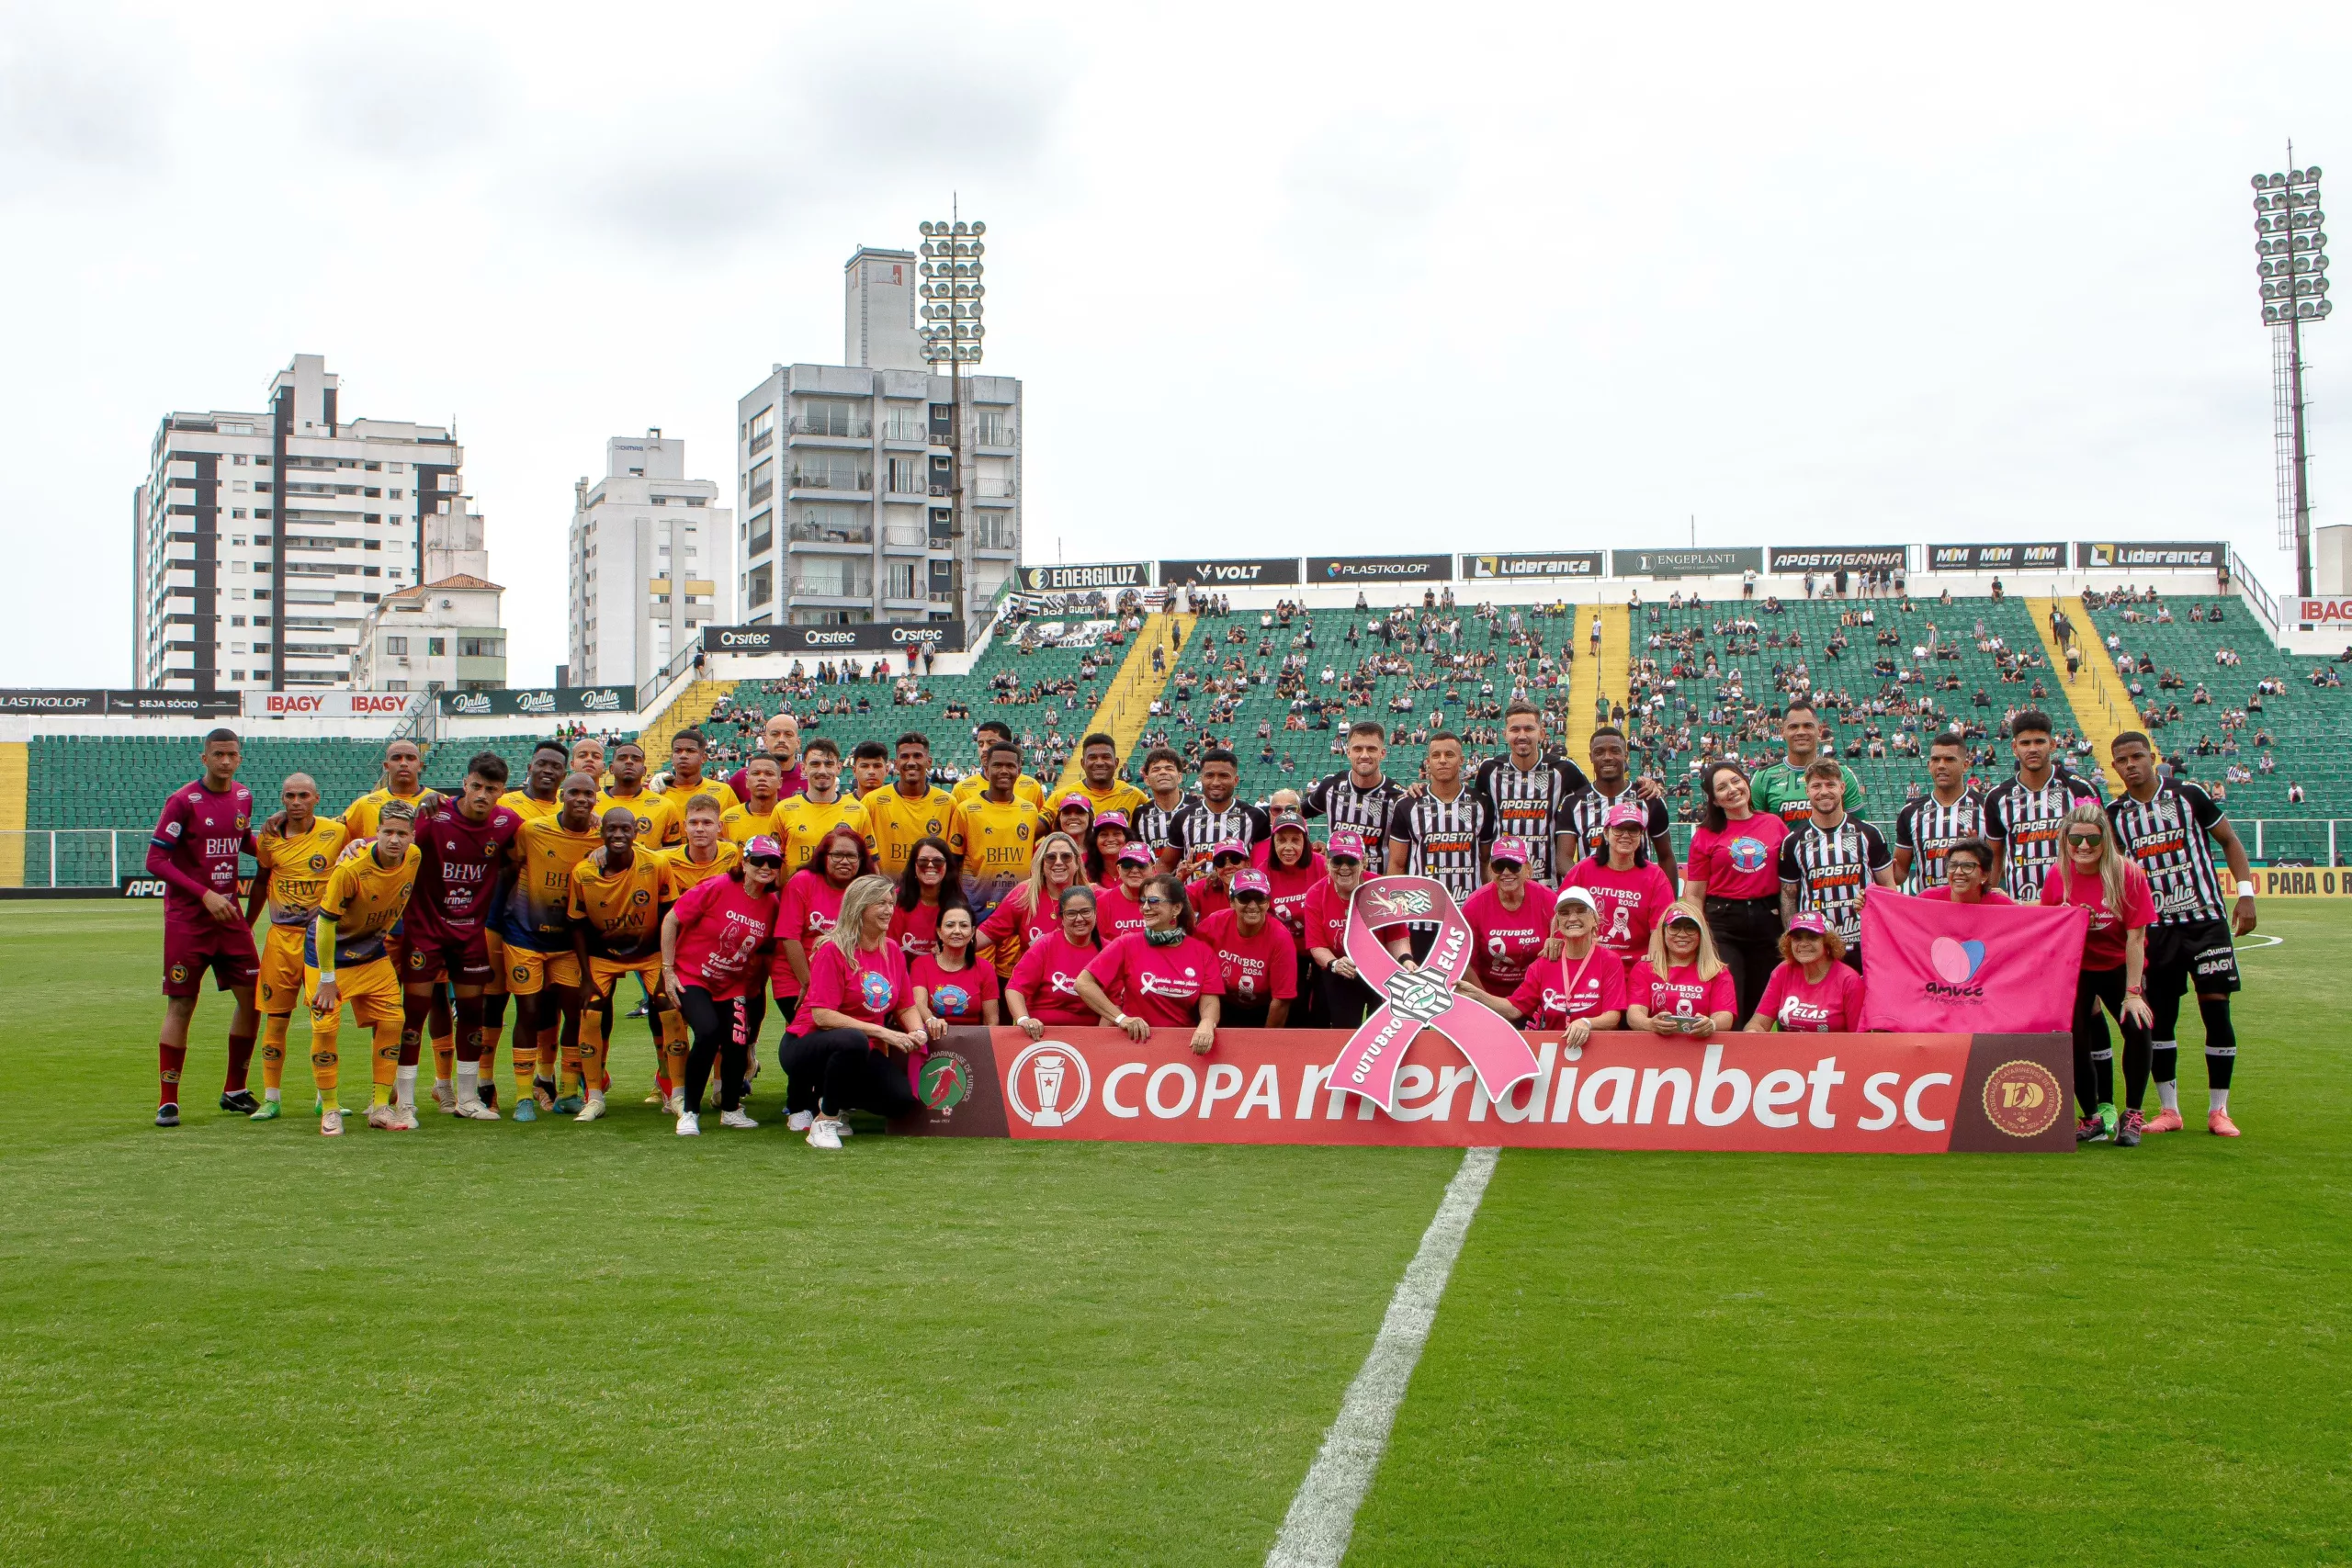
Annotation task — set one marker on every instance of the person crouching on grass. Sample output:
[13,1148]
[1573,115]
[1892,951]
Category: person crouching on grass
[718,944]
[1581,991]
[2093,874]
[1162,975]
[1814,991]
[1682,989]
[858,1009]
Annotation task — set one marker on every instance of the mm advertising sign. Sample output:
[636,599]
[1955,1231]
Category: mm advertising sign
[1837,557]
[2168,555]
[1684,563]
[539,701]
[1997,557]
[1816,1093]
[1275,571]
[1109,576]
[869,636]
[1379,568]
[1542,563]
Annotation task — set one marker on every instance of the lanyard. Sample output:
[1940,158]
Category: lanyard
[1569,992]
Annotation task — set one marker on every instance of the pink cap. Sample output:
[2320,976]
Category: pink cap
[1510,846]
[1136,854]
[763,844]
[1075,797]
[1627,815]
[1252,881]
[1809,923]
[1286,817]
[1233,847]
[1109,819]
[1344,845]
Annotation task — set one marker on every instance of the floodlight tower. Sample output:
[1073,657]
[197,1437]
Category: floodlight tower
[951,330]
[2293,247]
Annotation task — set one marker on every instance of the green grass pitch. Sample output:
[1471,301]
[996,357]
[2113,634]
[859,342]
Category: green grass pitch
[476,1344]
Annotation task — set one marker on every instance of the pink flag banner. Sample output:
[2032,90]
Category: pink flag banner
[1415,1000]
[1939,967]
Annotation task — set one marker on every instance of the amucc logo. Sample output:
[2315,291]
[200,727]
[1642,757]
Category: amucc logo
[1048,1084]
[1957,961]
[2022,1099]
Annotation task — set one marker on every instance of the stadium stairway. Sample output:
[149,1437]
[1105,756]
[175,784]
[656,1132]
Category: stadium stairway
[1126,703]
[13,773]
[2103,706]
[691,707]
[1608,675]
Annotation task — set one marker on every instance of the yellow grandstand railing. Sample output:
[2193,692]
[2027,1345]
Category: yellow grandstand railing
[13,772]
[1592,681]
[2102,704]
[1126,703]
[690,708]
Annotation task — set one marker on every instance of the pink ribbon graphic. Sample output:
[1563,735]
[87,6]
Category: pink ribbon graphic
[1420,999]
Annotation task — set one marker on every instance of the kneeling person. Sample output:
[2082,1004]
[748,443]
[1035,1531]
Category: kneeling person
[345,959]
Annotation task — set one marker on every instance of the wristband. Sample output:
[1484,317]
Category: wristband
[1120,1022]
[2246,889]
[326,977]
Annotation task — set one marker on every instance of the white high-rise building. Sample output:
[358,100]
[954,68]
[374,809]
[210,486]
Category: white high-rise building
[652,562]
[878,310]
[261,541]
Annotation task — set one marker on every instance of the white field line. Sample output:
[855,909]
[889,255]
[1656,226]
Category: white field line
[1323,1515]
[2253,943]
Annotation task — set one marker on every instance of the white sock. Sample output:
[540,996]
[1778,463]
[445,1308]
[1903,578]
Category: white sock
[269,1094]
[404,1088]
[469,1080]
[440,1083]
[2217,1099]
[2168,1094]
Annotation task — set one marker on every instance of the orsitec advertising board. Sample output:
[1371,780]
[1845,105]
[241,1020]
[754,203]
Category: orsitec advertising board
[1816,1093]
[866,636]
[1997,557]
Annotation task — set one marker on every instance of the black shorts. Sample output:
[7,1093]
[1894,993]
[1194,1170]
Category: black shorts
[2200,956]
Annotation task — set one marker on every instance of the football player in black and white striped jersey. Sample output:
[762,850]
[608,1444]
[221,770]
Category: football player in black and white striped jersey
[1832,859]
[1584,825]
[2168,827]
[1527,792]
[1360,797]
[2024,817]
[1163,777]
[1442,833]
[1951,813]
[1215,817]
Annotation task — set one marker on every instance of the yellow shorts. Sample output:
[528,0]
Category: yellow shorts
[604,974]
[371,990]
[528,973]
[281,983]
[496,946]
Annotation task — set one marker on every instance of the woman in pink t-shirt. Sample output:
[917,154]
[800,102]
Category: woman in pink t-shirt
[857,1010]
[717,944]
[1814,991]
[1161,975]
[1043,990]
[1342,999]
[2093,874]
[1509,920]
[1968,877]
[951,988]
[1116,910]
[1581,991]
[1292,866]
[1256,958]
[1733,877]
[924,891]
[1032,908]
[812,902]
[1630,890]
[1682,989]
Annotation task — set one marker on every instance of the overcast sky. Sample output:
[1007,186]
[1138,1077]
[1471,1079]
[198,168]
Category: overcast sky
[1332,280]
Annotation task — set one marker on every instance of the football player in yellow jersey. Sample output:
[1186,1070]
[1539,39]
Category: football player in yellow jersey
[685,780]
[536,801]
[989,733]
[541,973]
[802,822]
[708,853]
[902,814]
[403,781]
[618,896]
[756,815]
[345,959]
[869,769]
[295,850]
[1000,831]
[660,818]
[1097,767]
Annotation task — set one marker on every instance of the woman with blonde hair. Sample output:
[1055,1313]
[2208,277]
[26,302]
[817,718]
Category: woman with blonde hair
[2092,872]
[1033,908]
[857,1010]
[1683,987]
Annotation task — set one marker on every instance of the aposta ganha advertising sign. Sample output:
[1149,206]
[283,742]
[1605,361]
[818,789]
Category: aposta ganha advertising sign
[1429,1067]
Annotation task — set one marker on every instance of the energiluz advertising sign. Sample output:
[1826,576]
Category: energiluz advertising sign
[1111,575]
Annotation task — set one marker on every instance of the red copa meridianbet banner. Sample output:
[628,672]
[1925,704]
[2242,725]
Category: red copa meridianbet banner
[1813,1093]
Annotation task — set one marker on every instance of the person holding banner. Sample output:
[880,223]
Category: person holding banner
[1581,991]
[1968,875]
[1343,1000]
[1043,989]
[1683,987]
[1814,991]
[1163,974]
[1733,874]
[2093,874]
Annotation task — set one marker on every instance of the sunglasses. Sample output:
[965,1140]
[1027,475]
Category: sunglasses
[773,863]
[1150,899]
[2086,838]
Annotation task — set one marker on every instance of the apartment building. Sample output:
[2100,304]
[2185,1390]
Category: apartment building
[261,540]
[843,474]
[651,560]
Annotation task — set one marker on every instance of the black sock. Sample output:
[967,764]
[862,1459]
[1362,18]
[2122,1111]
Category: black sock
[2164,1061]
[2136,1054]
[2221,1040]
[2103,1067]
